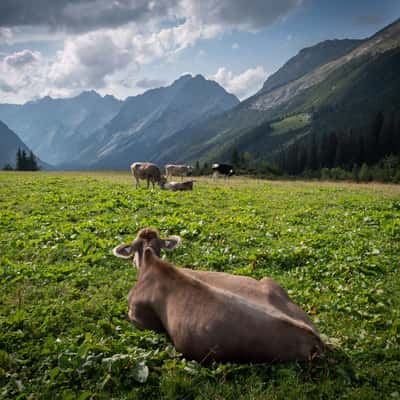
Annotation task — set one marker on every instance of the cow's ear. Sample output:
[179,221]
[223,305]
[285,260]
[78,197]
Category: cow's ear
[171,242]
[126,250]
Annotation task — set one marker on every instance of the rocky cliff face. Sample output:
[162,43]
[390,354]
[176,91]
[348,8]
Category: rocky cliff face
[308,59]
[384,40]
[144,121]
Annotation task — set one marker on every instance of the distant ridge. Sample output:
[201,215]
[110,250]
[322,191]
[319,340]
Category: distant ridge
[55,127]
[144,121]
[308,59]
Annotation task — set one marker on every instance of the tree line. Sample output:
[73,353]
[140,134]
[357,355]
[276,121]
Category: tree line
[359,154]
[23,162]
[372,152]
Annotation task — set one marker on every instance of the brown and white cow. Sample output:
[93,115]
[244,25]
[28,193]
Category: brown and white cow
[175,186]
[215,316]
[145,170]
[177,170]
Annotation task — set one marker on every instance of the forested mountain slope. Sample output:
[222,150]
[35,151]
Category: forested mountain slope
[360,82]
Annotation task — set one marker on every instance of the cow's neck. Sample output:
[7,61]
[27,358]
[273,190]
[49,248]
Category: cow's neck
[160,281]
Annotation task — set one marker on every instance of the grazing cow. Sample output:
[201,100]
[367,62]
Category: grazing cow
[174,186]
[213,316]
[177,170]
[222,169]
[145,170]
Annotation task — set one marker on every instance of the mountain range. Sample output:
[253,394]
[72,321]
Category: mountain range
[55,128]
[145,121]
[335,85]
[91,131]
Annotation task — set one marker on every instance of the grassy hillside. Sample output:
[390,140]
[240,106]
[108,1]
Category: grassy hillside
[365,85]
[204,140]
[308,59]
[63,326]
[349,99]
[293,122]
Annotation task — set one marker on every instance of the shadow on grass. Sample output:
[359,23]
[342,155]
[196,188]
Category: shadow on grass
[323,377]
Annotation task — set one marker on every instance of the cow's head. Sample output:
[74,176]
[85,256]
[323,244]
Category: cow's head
[146,238]
[162,181]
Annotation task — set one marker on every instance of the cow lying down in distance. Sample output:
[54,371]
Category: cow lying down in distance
[212,315]
[175,186]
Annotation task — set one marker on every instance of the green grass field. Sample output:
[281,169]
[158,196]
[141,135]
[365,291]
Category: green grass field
[64,331]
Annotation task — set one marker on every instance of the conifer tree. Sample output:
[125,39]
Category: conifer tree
[19,162]
[8,167]
[197,170]
[312,161]
[360,155]
[235,157]
[24,162]
[364,174]
[331,152]
[31,162]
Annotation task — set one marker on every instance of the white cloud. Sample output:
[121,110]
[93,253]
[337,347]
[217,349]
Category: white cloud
[242,85]
[87,60]
[112,41]
[22,58]
[5,87]
[107,58]
[5,35]
[235,46]
[24,76]
[169,41]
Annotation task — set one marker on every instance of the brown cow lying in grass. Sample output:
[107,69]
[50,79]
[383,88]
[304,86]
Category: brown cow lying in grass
[212,315]
[174,186]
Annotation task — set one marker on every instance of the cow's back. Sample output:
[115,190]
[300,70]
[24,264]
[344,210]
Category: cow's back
[145,170]
[206,321]
[267,291]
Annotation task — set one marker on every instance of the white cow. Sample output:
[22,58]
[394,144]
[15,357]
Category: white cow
[177,170]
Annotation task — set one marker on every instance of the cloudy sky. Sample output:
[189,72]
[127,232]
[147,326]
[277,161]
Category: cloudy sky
[124,47]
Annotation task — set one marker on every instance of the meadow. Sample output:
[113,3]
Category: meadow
[64,333]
